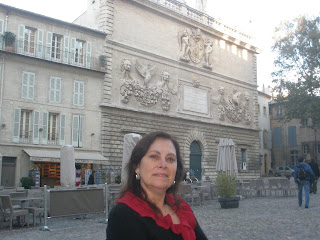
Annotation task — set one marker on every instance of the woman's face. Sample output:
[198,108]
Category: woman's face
[158,167]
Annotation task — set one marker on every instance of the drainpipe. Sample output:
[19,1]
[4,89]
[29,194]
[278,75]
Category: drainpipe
[2,74]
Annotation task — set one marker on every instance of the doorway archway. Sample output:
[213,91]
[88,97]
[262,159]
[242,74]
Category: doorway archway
[195,159]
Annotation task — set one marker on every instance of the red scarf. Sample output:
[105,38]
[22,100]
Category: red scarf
[185,214]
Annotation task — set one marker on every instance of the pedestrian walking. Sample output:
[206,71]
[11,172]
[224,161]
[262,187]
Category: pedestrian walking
[302,176]
[315,168]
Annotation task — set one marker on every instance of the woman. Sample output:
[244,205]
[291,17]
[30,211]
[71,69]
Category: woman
[149,207]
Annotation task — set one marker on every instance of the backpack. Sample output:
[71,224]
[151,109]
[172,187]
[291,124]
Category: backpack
[302,174]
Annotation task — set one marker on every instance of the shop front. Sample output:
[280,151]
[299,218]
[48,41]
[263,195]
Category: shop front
[47,162]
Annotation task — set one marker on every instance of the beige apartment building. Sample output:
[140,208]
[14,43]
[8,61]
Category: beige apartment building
[51,87]
[168,67]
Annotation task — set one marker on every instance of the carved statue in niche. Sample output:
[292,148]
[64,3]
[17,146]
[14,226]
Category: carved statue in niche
[235,108]
[183,38]
[196,45]
[208,47]
[146,94]
[194,48]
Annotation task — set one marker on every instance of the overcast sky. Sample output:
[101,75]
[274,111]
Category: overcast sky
[255,17]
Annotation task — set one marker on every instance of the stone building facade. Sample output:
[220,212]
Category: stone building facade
[176,69]
[293,139]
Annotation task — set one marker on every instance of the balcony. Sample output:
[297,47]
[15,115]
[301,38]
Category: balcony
[51,54]
[25,137]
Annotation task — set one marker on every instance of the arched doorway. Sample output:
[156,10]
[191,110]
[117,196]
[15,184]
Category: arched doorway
[195,159]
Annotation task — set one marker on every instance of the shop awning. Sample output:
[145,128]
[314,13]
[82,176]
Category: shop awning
[54,156]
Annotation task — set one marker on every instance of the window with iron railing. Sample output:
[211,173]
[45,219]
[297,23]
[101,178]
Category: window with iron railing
[54,47]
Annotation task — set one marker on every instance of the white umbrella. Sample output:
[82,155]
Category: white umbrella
[226,159]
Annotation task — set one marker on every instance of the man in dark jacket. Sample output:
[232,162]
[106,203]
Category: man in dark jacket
[315,168]
[303,182]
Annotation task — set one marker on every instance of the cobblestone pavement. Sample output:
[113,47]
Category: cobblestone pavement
[256,218]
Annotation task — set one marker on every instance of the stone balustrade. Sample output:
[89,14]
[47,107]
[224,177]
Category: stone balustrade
[203,18]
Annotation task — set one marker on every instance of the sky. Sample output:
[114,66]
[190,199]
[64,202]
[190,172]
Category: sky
[254,17]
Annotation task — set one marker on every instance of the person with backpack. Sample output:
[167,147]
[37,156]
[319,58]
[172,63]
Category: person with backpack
[302,176]
[315,168]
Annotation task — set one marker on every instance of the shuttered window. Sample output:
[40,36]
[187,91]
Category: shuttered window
[28,82]
[292,137]
[277,137]
[55,90]
[78,93]
[77,122]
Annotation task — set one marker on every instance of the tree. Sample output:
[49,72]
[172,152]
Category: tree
[297,69]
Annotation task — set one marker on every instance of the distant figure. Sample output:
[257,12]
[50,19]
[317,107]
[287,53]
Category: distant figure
[91,179]
[315,168]
[302,176]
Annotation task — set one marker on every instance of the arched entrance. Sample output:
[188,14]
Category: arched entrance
[195,159]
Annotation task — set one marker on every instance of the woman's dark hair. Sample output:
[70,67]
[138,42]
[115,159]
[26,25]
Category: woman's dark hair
[139,151]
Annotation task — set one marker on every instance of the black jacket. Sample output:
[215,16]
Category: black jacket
[124,223]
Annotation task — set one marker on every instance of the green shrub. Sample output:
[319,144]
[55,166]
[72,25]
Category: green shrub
[117,179]
[27,182]
[226,185]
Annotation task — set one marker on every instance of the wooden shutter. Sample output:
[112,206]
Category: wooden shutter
[49,45]
[62,129]
[16,125]
[88,55]
[73,51]
[75,130]
[66,50]
[39,52]
[81,93]
[52,89]
[31,83]
[45,130]
[80,131]
[292,137]
[21,30]
[36,120]
[269,139]
[1,32]
[58,90]
[277,137]
[76,93]
[24,87]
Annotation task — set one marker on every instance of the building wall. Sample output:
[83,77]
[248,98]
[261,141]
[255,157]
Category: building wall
[283,155]
[13,64]
[215,101]
[265,133]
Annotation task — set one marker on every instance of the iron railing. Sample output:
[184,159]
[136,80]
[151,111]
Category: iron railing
[54,55]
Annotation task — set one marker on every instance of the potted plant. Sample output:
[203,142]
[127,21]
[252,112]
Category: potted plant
[227,188]
[9,38]
[27,182]
[102,62]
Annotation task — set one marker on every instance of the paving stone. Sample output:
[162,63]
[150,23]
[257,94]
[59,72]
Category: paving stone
[257,218]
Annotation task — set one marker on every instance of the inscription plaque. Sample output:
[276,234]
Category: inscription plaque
[195,100]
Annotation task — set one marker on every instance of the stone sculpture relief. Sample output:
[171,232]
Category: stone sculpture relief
[146,94]
[194,48]
[235,107]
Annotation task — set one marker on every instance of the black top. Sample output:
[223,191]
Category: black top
[124,223]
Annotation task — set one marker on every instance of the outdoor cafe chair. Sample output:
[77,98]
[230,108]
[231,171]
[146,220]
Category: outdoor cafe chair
[36,207]
[8,211]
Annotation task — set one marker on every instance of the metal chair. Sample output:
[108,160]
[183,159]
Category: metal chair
[8,211]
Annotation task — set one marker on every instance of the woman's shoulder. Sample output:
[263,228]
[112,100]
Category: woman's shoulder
[121,209]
